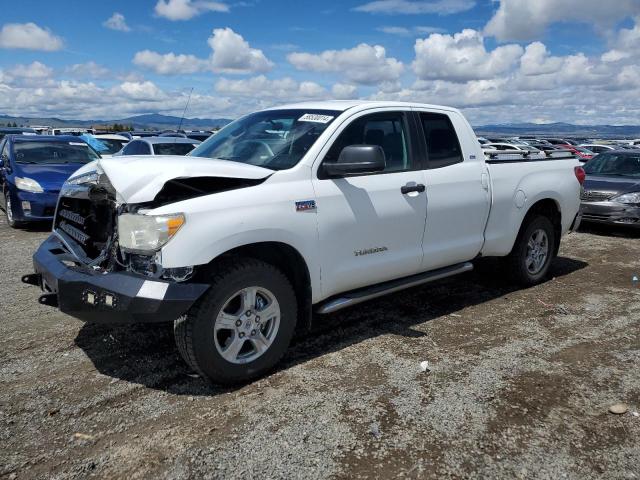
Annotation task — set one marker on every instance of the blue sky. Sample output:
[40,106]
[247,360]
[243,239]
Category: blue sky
[500,61]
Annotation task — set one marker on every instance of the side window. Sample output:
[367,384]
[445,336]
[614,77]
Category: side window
[388,130]
[443,147]
[136,148]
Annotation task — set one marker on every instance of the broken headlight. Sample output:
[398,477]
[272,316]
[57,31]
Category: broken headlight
[147,233]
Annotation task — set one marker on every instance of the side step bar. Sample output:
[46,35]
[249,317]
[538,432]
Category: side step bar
[375,291]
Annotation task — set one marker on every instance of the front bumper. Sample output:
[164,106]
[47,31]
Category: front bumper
[42,206]
[106,297]
[612,213]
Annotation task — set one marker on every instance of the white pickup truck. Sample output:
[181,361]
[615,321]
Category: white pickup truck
[294,211]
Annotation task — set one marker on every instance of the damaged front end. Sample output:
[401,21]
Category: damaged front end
[103,261]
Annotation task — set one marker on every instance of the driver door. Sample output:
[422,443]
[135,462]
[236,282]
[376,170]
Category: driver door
[370,228]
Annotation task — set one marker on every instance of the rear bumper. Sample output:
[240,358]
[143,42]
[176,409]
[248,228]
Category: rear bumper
[612,213]
[99,297]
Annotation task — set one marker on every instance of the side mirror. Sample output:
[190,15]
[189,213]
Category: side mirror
[357,159]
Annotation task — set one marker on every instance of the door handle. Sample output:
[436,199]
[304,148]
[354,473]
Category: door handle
[413,188]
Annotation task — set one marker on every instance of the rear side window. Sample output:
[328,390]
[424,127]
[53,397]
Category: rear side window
[387,130]
[136,148]
[443,147]
[172,148]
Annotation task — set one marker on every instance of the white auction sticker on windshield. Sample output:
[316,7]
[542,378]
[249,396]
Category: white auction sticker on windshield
[314,117]
[78,143]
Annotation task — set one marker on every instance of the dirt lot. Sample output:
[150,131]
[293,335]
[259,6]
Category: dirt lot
[520,384]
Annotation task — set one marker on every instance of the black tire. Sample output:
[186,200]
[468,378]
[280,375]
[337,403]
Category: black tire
[8,212]
[517,259]
[194,332]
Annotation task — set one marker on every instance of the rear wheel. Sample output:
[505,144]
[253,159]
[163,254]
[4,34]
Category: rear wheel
[533,252]
[242,326]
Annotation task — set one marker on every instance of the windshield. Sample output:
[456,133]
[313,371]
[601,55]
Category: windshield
[172,148]
[275,139]
[611,164]
[53,152]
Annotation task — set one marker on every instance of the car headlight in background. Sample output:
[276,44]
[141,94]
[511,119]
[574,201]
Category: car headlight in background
[147,233]
[628,198]
[28,185]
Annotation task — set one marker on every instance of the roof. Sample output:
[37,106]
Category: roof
[154,140]
[343,105]
[46,138]
[109,136]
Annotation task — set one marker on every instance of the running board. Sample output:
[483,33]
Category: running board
[375,291]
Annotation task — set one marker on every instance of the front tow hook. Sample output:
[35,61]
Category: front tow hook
[32,279]
[49,299]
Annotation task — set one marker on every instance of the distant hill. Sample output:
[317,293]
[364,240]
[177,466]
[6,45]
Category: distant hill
[153,121]
[561,129]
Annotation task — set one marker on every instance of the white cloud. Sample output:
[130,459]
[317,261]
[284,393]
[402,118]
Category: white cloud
[517,20]
[462,57]
[169,63]
[417,7]
[88,70]
[537,61]
[626,44]
[187,9]
[29,36]
[343,91]
[31,71]
[283,88]
[363,65]
[233,54]
[410,32]
[117,22]
[139,91]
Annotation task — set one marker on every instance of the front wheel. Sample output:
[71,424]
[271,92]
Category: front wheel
[242,326]
[533,251]
[8,211]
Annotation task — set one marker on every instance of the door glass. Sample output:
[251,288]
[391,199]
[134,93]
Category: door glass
[386,130]
[443,147]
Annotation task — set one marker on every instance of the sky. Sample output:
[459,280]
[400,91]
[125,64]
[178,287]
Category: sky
[500,61]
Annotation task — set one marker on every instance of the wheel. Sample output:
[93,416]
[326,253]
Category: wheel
[8,211]
[533,251]
[242,326]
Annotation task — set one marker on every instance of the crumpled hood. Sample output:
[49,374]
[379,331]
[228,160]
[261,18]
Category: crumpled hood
[138,179]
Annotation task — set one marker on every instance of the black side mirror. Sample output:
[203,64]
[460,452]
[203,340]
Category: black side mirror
[357,159]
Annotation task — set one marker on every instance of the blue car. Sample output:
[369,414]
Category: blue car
[32,171]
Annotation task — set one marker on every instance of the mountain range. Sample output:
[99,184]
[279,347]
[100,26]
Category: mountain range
[156,121]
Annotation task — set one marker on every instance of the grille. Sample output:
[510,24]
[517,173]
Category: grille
[594,196]
[88,223]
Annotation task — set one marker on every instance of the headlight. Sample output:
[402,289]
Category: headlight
[89,177]
[629,198]
[147,233]
[28,185]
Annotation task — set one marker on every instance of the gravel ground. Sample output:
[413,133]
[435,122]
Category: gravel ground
[519,386]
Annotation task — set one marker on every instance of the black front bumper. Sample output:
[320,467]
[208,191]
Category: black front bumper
[106,297]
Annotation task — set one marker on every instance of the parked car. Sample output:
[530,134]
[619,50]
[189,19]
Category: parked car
[510,147]
[32,171]
[159,146]
[200,136]
[309,207]
[16,131]
[112,143]
[612,189]
[597,148]
[582,153]
[561,141]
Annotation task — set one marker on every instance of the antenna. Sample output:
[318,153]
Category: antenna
[185,110]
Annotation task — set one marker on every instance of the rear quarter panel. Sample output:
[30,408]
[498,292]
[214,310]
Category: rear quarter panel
[516,187]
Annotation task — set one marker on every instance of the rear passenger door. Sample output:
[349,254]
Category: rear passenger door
[457,182]
[370,228]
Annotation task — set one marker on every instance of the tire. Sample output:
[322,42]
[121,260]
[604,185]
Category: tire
[8,212]
[523,268]
[207,335]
